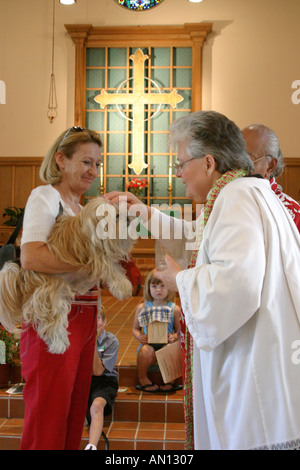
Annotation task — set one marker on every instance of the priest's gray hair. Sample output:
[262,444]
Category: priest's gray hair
[209,132]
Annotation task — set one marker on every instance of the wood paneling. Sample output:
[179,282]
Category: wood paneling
[290,180]
[18,176]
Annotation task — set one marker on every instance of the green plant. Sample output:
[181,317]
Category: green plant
[11,344]
[14,213]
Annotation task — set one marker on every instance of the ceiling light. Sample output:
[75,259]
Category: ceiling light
[195,1]
[67,2]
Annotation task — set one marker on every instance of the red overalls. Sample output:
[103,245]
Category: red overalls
[57,385]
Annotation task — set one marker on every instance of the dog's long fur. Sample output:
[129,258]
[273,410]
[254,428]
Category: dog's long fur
[43,300]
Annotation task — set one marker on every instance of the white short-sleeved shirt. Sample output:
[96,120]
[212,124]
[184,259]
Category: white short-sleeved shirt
[41,211]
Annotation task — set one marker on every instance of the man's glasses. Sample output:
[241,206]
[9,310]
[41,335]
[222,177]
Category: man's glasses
[260,158]
[73,129]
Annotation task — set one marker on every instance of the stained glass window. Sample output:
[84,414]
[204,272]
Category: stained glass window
[139,5]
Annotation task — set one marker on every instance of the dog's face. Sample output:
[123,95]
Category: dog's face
[107,226]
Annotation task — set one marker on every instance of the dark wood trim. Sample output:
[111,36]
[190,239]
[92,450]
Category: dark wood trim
[85,35]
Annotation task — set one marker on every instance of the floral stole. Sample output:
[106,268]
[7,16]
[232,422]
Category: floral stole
[188,340]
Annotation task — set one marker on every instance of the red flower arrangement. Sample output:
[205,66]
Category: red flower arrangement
[136,186]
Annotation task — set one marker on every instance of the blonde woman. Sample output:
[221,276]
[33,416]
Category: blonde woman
[57,385]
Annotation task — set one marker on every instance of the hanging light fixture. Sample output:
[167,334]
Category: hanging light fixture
[67,2]
[52,103]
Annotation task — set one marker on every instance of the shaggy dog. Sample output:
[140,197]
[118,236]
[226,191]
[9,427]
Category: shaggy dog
[43,300]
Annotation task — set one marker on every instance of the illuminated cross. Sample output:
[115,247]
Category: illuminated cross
[138,99]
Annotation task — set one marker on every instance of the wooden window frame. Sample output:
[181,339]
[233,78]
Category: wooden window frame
[85,35]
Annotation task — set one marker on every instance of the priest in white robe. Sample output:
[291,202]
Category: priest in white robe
[240,297]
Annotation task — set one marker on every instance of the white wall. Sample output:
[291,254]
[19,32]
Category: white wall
[249,63]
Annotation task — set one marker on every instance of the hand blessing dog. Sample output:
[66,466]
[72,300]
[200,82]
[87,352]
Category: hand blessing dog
[130,199]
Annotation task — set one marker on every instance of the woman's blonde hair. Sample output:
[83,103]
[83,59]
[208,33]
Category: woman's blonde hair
[67,143]
[151,279]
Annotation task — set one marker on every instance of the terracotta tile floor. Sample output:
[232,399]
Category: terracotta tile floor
[121,435]
[140,435]
[120,316]
[130,427]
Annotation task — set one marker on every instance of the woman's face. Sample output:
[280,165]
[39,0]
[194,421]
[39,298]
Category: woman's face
[80,171]
[198,174]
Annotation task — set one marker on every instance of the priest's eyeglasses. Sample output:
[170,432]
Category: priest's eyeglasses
[179,166]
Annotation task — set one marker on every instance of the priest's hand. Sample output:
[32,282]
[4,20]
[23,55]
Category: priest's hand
[131,200]
[117,196]
[168,275]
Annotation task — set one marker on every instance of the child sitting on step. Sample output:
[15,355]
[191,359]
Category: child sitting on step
[104,384]
[155,295]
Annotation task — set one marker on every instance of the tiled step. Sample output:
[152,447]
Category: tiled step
[133,405]
[125,435]
[145,270]
[128,376]
[130,435]
[10,374]
[130,427]
[130,405]
[144,256]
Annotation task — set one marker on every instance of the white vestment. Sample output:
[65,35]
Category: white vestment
[242,307]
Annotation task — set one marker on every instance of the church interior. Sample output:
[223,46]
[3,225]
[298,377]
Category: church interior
[90,64]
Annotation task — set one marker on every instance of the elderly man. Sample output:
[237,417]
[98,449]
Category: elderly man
[264,150]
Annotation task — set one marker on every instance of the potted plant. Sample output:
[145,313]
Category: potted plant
[12,348]
[11,344]
[14,214]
